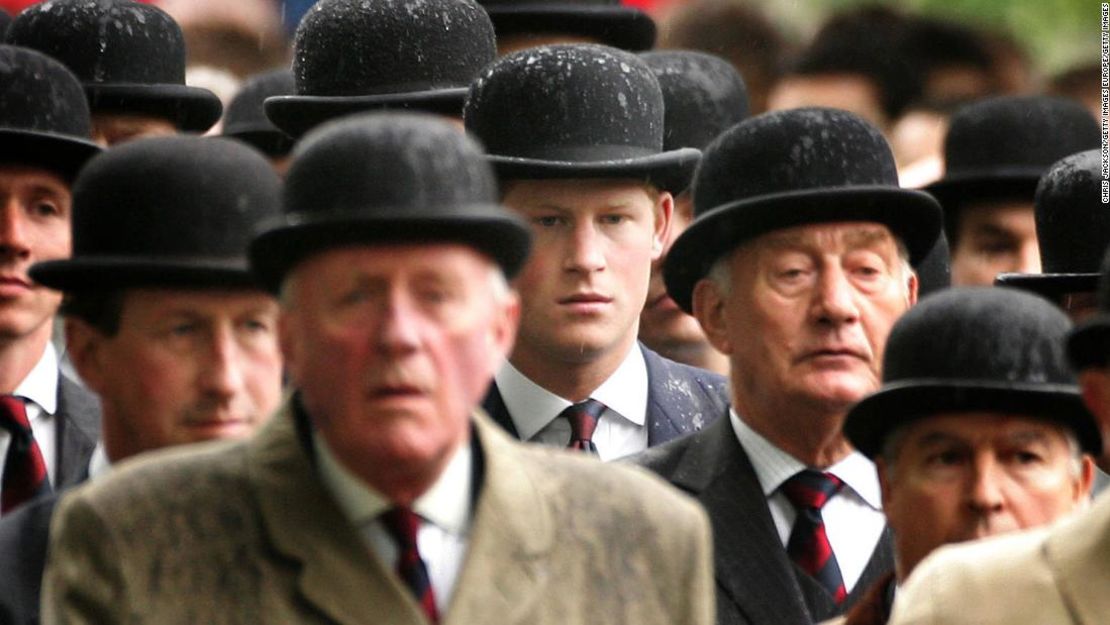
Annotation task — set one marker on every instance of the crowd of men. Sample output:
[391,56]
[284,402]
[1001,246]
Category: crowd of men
[485,313]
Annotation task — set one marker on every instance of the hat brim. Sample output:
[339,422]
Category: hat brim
[297,114]
[913,217]
[985,184]
[1089,343]
[62,154]
[279,248]
[98,273]
[621,27]
[190,109]
[670,171]
[868,424]
[1049,284]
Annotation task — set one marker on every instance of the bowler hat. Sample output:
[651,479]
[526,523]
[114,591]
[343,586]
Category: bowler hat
[998,148]
[703,96]
[129,56]
[605,21]
[1073,228]
[245,119]
[974,350]
[5,22]
[791,168]
[575,111]
[1089,342]
[353,55]
[934,272]
[44,119]
[387,178]
[169,211]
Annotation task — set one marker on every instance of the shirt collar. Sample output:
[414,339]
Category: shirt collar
[41,384]
[532,407]
[774,466]
[446,504]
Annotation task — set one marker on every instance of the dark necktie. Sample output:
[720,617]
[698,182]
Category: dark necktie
[403,524]
[583,418]
[24,468]
[809,546]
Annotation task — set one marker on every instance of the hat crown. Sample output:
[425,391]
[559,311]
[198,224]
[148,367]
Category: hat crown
[183,197]
[105,41]
[703,96]
[790,151]
[1073,226]
[246,109]
[388,165]
[1016,133]
[567,103]
[37,93]
[988,335]
[354,47]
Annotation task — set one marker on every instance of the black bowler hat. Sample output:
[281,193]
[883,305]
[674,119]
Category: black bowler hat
[792,168]
[44,119]
[352,55]
[998,148]
[387,178]
[245,119]
[168,211]
[974,350]
[5,22]
[1073,228]
[575,111]
[129,56]
[703,96]
[1089,342]
[605,21]
[934,272]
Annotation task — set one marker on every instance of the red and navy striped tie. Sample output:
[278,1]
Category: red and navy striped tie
[583,418]
[24,468]
[809,546]
[403,524]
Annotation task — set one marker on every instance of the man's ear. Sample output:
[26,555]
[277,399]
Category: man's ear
[502,336]
[664,218]
[85,347]
[912,286]
[709,310]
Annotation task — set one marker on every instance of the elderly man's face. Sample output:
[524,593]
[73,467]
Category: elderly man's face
[994,238]
[34,227]
[807,314]
[392,347]
[184,366]
[962,476]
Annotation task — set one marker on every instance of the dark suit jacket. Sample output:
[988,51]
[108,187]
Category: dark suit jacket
[681,400]
[25,532]
[757,583]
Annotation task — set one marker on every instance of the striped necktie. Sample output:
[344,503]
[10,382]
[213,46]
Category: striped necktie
[24,469]
[583,418]
[809,546]
[403,524]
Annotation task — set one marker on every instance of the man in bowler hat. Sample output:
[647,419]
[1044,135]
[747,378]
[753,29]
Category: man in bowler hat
[1054,575]
[48,423]
[978,429]
[533,23]
[796,265]
[130,58]
[703,95]
[1073,231]
[245,119]
[995,152]
[353,56]
[575,133]
[163,319]
[378,493]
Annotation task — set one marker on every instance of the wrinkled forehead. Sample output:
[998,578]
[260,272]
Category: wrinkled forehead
[830,237]
[15,174]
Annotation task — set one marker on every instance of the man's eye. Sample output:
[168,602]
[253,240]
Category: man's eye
[45,209]
[613,219]
[548,221]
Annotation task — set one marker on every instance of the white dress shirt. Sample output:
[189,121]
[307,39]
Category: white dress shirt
[621,430]
[853,517]
[39,391]
[445,511]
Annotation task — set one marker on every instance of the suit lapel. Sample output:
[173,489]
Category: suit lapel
[78,419]
[1077,556]
[494,406]
[681,400]
[511,535]
[661,427]
[337,573]
[751,565]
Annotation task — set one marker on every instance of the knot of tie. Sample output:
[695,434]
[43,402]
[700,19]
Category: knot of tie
[811,490]
[402,524]
[583,418]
